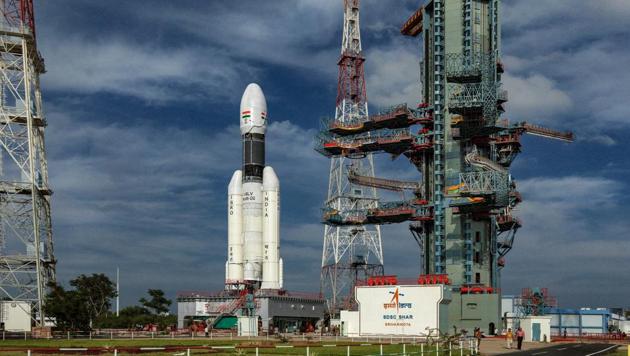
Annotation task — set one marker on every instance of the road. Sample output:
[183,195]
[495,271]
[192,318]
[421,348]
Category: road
[569,350]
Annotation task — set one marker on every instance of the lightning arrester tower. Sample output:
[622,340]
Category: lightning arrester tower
[352,252]
[26,248]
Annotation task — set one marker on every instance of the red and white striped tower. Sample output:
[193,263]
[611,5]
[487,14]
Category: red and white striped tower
[350,252]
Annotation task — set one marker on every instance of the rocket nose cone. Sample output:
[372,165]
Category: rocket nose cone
[253,97]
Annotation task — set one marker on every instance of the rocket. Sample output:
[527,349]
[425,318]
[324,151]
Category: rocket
[254,204]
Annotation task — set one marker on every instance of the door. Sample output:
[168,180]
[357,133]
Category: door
[535,331]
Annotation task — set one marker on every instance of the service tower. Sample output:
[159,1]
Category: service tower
[349,252]
[461,212]
[27,262]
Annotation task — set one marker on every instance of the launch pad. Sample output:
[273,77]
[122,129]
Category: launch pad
[277,311]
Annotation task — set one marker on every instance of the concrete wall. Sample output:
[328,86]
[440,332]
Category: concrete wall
[247,326]
[349,323]
[545,327]
[579,321]
[468,311]
[16,316]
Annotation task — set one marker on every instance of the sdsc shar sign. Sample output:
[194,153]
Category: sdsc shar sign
[400,310]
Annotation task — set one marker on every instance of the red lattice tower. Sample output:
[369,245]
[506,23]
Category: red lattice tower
[18,12]
[536,301]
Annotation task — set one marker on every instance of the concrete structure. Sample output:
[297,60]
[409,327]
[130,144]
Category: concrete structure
[254,205]
[247,326]
[536,328]
[15,316]
[573,322]
[285,312]
[27,262]
[583,321]
[349,323]
[401,310]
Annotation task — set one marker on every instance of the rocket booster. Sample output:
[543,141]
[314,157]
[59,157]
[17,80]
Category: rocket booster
[254,203]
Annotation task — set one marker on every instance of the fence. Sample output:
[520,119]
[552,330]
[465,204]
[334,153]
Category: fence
[465,346]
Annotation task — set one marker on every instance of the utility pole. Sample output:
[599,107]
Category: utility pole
[117,291]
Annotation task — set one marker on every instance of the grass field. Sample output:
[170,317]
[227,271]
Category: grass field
[204,346]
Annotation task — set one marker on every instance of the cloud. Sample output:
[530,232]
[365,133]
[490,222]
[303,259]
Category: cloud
[151,199]
[146,71]
[388,76]
[535,98]
[584,62]
[574,235]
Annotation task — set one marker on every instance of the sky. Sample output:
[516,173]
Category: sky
[142,103]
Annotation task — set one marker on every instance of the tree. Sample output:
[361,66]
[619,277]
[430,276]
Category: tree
[96,292]
[67,308]
[158,302]
[134,311]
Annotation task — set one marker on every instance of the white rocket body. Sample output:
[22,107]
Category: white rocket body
[254,204]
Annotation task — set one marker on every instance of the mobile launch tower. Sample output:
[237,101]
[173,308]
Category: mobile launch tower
[27,262]
[461,213]
[349,252]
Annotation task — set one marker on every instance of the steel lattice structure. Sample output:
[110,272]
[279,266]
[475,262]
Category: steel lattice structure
[27,262]
[353,252]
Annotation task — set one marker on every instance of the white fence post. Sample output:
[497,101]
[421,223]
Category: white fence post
[256,351]
[381,350]
[348,352]
[308,351]
[450,349]
[28,352]
[187,352]
[421,349]
[404,349]
[115,352]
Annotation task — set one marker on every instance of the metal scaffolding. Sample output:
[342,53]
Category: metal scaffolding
[349,252]
[27,261]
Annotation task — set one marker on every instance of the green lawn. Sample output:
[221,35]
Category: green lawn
[316,349]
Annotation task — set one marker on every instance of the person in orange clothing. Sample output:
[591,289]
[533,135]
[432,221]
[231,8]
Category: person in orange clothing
[509,337]
[520,335]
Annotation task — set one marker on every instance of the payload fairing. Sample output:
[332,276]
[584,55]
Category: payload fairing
[254,204]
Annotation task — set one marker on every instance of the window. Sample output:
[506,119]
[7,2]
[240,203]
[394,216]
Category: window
[477,236]
[478,278]
[477,257]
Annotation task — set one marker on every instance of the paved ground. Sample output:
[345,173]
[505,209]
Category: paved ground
[568,350]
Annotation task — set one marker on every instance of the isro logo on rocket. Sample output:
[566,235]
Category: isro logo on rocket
[395,301]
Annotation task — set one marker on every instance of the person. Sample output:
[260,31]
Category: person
[520,334]
[478,337]
[509,337]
